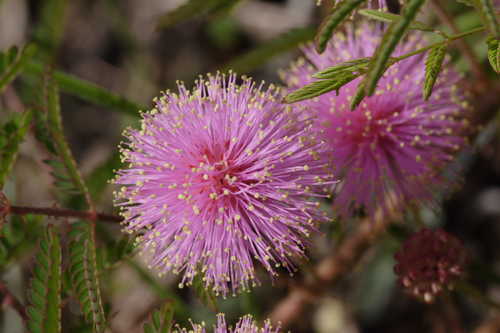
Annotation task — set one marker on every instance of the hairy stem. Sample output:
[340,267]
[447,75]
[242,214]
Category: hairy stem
[62,212]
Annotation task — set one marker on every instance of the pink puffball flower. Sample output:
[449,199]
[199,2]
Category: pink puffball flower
[391,150]
[221,177]
[246,324]
[429,261]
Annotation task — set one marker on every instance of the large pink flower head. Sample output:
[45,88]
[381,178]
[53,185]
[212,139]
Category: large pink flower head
[246,324]
[218,177]
[391,150]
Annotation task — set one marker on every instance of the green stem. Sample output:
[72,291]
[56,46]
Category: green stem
[433,45]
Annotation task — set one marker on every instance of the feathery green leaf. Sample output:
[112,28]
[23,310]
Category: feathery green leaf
[44,311]
[88,91]
[494,53]
[390,18]
[355,65]
[391,38]
[321,87]
[433,65]
[339,13]
[255,58]
[54,122]
[84,274]
[358,97]
[13,63]
[11,135]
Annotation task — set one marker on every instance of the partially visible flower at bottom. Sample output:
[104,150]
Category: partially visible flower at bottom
[246,324]
[429,261]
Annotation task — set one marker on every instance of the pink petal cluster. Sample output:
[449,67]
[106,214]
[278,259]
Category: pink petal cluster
[429,261]
[391,150]
[246,324]
[220,177]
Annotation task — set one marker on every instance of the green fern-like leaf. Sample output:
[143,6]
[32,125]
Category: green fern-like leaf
[54,123]
[433,65]
[161,320]
[351,66]
[255,58]
[339,13]
[390,18]
[466,2]
[84,274]
[391,38]
[12,63]
[321,87]
[12,133]
[44,311]
[494,53]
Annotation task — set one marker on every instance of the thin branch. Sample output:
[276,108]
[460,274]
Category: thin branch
[330,269]
[62,212]
[10,300]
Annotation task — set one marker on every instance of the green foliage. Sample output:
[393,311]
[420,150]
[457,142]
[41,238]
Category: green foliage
[355,65]
[161,321]
[195,8]
[85,275]
[390,18]
[339,13]
[44,311]
[487,11]
[392,36]
[433,65]
[54,122]
[19,236]
[494,53]
[466,2]
[12,133]
[12,63]
[88,91]
[333,78]
[253,59]
[320,87]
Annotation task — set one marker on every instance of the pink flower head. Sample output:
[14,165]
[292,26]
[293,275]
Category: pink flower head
[429,261]
[246,324]
[218,177]
[391,149]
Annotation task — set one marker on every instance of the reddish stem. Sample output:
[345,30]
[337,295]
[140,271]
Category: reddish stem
[61,212]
